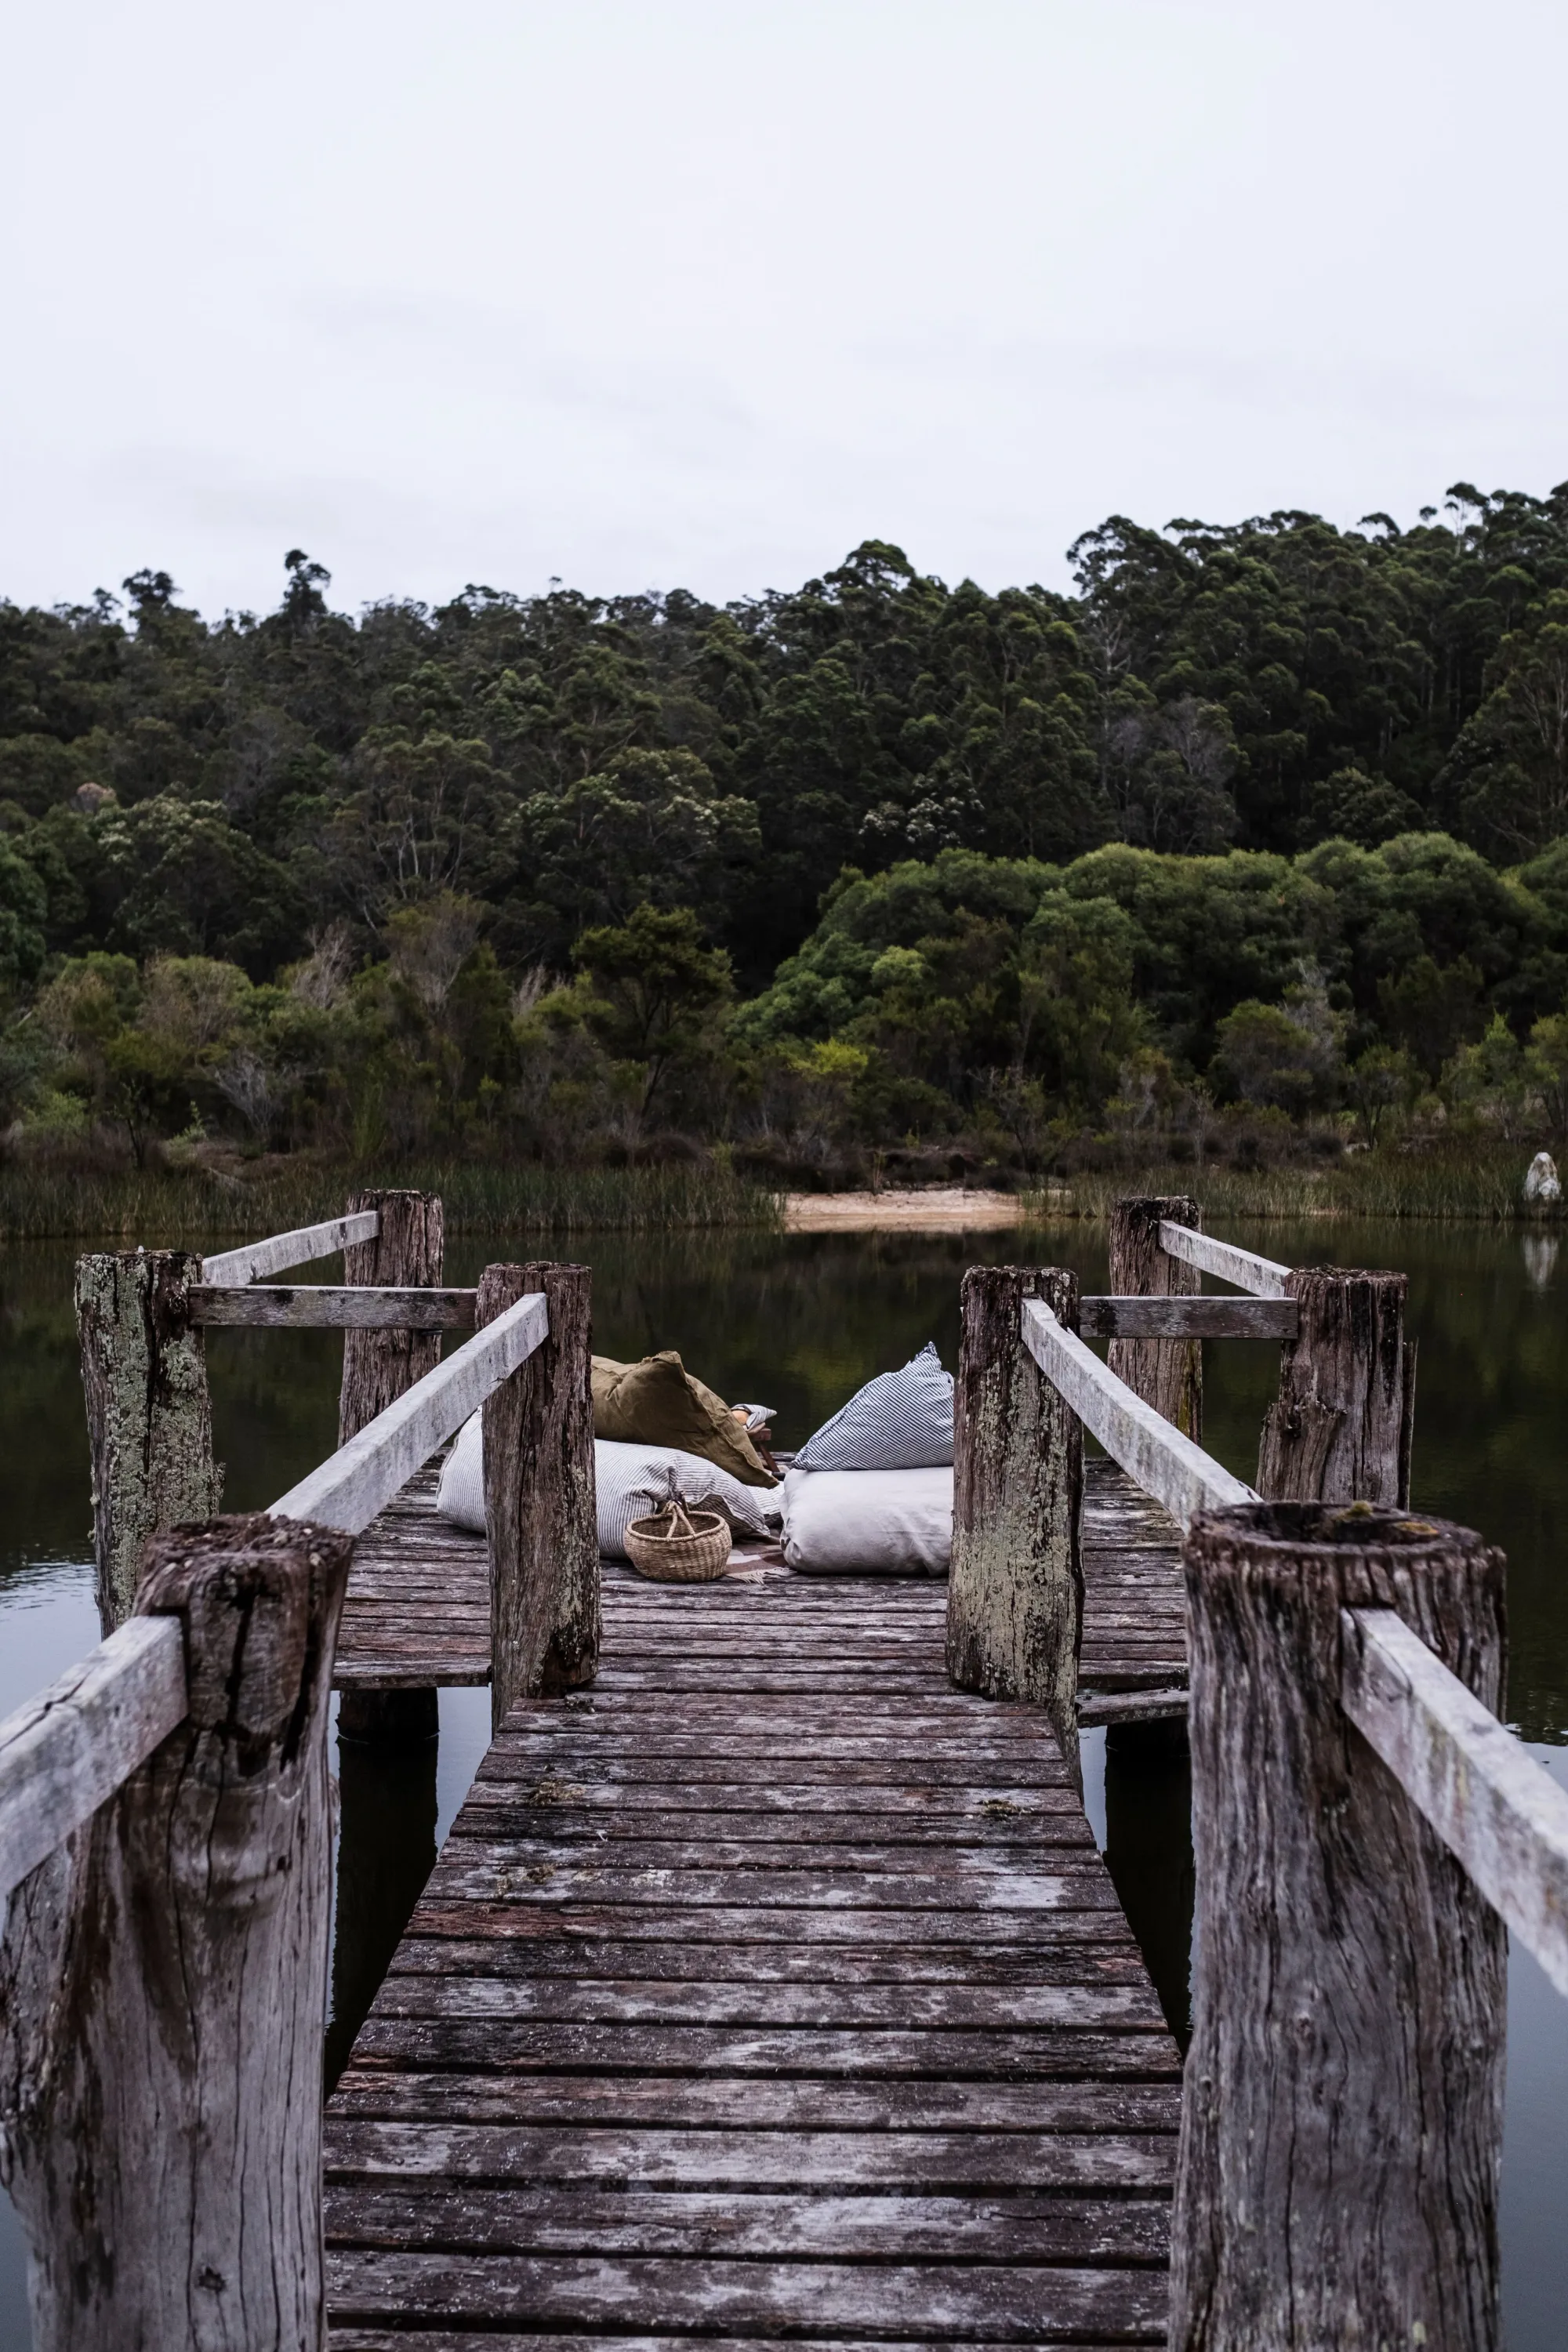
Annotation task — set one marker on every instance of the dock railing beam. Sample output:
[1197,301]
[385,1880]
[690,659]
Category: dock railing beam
[163,1982]
[541,1512]
[1341,1427]
[1015,1595]
[1167,1373]
[407,1251]
[1337,2181]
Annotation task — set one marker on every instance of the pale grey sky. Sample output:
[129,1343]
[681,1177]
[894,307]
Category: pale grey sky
[702,292]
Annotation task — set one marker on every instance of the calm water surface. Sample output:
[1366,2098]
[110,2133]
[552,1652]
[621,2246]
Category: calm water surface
[799,1324]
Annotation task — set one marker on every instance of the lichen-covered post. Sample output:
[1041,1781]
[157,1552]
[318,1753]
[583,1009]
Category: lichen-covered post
[1341,2113]
[149,1421]
[1340,1429]
[162,1983]
[1167,1373]
[540,1505]
[1015,1595]
[407,1254]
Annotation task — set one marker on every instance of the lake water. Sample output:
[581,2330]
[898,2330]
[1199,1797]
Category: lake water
[799,1324]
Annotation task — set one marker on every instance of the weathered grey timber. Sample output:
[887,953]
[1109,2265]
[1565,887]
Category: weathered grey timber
[361,1478]
[1340,2127]
[1167,1373]
[907,2082]
[1264,1277]
[278,1252]
[405,1254]
[538,1495]
[1339,1430]
[1166,1464]
[418,1607]
[1015,1594]
[1133,1707]
[149,1421]
[1487,1798]
[1186,1319]
[64,1752]
[319,1306]
[164,1977]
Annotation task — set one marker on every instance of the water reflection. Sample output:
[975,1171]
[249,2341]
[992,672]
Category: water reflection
[386,1850]
[1540,1258]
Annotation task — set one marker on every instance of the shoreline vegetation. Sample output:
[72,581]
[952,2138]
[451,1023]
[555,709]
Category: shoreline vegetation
[170,1206]
[1249,855]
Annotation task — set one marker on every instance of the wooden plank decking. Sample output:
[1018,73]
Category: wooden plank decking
[770,1988]
[418,1609]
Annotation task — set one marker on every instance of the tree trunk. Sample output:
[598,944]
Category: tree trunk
[538,1495]
[1341,1430]
[149,1421]
[162,1984]
[406,1255]
[1338,2175]
[1167,1373]
[1015,1595]
[378,1367]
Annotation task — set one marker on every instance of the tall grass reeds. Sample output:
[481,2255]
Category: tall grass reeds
[1482,1182]
[166,1207]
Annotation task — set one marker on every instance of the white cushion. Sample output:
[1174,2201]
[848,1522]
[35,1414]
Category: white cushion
[621,1473]
[868,1522]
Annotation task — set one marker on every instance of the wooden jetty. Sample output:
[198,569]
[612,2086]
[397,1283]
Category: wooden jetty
[769,1987]
[774,1987]
[418,1605]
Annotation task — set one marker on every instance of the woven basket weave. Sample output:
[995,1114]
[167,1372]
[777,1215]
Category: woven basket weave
[679,1547]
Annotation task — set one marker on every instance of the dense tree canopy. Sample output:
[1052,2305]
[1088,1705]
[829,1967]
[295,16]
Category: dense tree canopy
[1259,803]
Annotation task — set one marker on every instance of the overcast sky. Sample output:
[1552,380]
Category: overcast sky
[652,292]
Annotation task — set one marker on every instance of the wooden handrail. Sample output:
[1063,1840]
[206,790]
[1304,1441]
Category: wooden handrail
[66,1750]
[1487,1798]
[1194,1317]
[1166,1464]
[328,1306]
[1263,1276]
[352,1485]
[281,1251]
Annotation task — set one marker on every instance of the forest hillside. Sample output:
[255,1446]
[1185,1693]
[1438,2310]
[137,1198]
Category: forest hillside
[1257,843]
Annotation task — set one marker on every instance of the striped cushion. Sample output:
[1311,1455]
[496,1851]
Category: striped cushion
[899,1421]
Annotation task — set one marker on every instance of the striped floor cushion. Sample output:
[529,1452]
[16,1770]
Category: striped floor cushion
[899,1421]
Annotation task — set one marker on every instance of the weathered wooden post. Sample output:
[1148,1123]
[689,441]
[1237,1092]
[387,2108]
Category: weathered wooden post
[1167,1373]
[1340,1429]
[1342,2115]
[407,1254]
[1015,1595]
[538,1495]
[162,1983]
[149,1419]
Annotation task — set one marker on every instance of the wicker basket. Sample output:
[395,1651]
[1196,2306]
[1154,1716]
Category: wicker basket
[679,1547]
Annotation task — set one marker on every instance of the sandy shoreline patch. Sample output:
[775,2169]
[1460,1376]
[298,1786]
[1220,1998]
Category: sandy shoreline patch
[948,1208]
